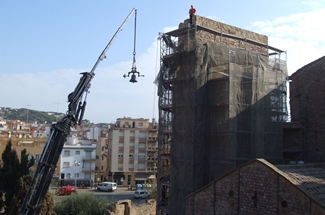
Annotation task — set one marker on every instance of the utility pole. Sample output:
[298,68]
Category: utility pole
[57,106]
[28,105]
[57,109]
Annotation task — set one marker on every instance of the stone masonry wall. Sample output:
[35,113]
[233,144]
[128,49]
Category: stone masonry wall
[228,29]
[126,207]
[307,104]
[254,188]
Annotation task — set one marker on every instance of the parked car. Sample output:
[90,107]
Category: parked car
[141,194]
[107,186]
[66,190]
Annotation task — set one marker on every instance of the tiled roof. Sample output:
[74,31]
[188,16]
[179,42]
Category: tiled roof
[308,177]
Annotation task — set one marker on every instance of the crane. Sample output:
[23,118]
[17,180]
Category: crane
[59,131]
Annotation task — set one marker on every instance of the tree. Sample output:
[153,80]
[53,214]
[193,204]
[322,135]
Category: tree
[48,203]
[10,181]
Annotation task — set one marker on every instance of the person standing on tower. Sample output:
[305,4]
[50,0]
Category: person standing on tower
[192,12]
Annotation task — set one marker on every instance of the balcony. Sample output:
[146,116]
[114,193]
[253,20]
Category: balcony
[152,169]
[152,160]
[152,149]
[141,160]
[131,149]
[89,158]
[152,139]
[142,140]
[120,149]
[88,170]
[142,150]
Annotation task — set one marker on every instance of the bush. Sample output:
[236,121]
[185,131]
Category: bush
[83,204]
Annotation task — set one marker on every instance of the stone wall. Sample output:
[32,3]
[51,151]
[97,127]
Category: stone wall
[254,188]
[126,207]
[228,29]
[307,104]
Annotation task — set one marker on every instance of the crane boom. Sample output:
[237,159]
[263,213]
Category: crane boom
[59,131]
[103,54]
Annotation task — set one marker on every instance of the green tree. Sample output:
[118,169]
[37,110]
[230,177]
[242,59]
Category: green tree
[48,203]
[10,181]
[83,204]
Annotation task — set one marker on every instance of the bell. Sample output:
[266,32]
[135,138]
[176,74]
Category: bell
[133,78]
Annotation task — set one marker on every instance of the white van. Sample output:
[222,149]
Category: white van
[107,186]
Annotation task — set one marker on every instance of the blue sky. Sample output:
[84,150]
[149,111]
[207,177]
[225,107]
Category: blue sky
[44,45]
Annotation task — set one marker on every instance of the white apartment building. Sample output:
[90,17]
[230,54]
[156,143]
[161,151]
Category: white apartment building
[93,133]
[77,162]
[132,151]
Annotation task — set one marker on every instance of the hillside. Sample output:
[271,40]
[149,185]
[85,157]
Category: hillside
[24,114]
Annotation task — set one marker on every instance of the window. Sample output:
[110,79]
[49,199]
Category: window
[76,175]
[66,153]
[68,175]
[66,164]
[102,158]
[130,155]
[120,156]
[87,176]
[102,168]
[141,166]
[88,155]
[141,156]
[77,152]
[142,134]
[132,133]
[140,123]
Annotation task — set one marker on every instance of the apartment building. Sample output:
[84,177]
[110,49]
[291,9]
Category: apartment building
[77,162]
[102,160]
[21,136]
[132,151]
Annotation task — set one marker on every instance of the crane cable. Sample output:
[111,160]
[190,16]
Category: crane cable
[135,37]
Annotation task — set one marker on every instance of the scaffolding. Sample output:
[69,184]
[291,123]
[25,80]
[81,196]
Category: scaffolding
[219,107]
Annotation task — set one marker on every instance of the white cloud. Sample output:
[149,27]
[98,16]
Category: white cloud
[302,35]
[312,3]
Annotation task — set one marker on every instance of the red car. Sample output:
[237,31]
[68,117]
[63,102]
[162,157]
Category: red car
[66,190]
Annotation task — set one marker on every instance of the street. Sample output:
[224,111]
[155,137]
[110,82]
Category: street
[119,194]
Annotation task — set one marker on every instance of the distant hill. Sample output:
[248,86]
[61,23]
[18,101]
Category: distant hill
[24,114]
